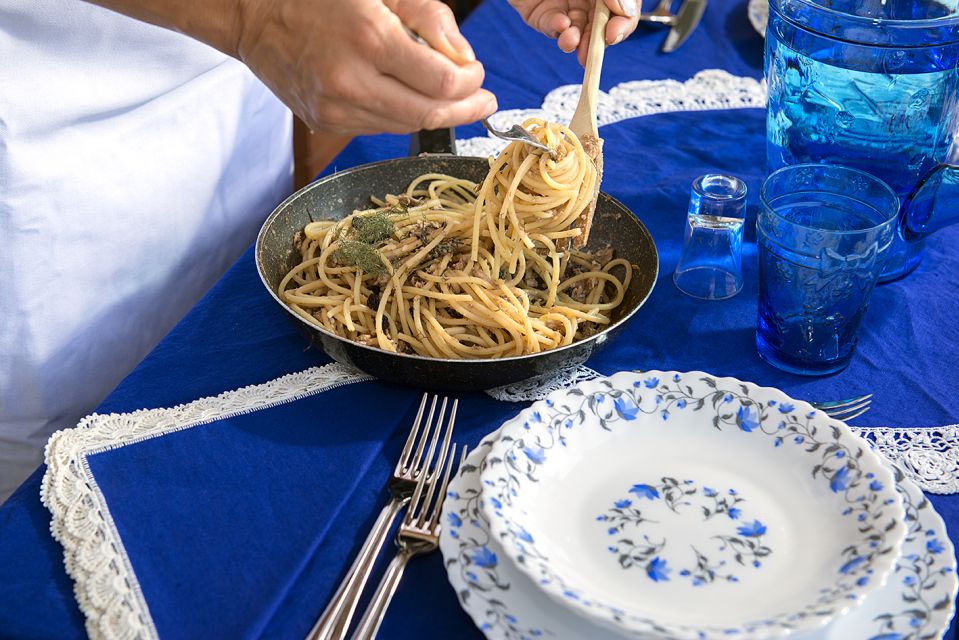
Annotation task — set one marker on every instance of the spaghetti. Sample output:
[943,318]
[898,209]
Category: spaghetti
[453,269]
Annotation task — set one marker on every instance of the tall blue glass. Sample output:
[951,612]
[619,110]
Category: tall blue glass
[824,233]
[870,84]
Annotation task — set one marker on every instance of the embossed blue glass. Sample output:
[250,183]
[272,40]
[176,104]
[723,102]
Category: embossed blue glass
[710,267]
[824,233]
[867,84]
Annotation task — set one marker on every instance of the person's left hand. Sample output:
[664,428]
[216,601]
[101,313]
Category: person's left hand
[570,21]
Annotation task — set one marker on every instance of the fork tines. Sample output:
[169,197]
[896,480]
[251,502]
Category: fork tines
[423,513]
[410,462]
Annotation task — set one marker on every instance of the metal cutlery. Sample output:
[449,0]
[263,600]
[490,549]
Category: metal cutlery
[517,133]
[412,470]
[419,533]
[681,24]
[845,409]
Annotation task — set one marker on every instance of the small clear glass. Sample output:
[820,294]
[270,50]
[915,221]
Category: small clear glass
[710,267]
[824,234]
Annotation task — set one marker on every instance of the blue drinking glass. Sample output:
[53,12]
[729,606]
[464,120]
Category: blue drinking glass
[868,84]
[710,267]
[824,233]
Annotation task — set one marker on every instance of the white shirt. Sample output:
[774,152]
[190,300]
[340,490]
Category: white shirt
[136,165]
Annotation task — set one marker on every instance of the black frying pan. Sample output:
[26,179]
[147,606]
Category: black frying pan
[338,195]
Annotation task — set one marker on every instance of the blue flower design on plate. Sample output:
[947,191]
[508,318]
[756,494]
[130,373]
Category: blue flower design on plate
[627,410]
[840,480]
[658,570]
[752,530]
[485,558]
[535,453]
[645,491]
[637,546]
[747,419]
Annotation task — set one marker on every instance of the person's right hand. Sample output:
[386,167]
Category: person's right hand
[348,67]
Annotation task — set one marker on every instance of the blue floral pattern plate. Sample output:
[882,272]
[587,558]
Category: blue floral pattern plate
[687,506]
[917,602]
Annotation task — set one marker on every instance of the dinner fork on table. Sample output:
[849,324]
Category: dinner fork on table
[412,470]
[419,533]
[845,409]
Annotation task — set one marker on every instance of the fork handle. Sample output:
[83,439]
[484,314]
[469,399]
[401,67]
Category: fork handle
[370,623]
[335,621]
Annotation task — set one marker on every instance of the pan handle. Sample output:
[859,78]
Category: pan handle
[433,141]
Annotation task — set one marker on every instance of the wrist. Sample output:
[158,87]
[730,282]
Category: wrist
[250,20]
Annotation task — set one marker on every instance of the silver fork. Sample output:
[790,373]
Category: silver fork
[516,133]
[411,470]
[845,409]
[660,15]
[419,533]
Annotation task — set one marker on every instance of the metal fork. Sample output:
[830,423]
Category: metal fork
[516,133]
[419,533]
[845,409]
[660,15]
[411,470]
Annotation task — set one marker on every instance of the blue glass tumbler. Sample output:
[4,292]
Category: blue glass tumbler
[824,233]
[710,267]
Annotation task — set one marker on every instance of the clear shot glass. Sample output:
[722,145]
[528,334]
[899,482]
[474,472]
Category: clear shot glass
[710,267]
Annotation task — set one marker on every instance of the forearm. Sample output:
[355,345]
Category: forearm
[217,23]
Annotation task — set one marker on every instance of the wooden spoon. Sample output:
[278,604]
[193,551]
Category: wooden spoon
[583,122]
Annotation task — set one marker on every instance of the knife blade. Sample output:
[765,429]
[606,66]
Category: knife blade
[686,21]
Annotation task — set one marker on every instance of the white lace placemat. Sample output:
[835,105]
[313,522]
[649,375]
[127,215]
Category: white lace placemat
[712,89]
[105,586]
[928,455]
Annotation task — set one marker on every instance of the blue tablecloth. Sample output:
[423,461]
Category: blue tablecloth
[244,529]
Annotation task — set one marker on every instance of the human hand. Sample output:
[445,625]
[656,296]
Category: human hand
[570,21]
[348,67]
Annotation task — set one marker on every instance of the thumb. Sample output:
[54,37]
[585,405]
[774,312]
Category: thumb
[434,22]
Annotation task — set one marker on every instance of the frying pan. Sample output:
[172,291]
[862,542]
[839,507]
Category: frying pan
[336,196]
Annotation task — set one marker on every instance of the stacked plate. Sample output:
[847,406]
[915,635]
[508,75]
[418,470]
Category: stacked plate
[679,505]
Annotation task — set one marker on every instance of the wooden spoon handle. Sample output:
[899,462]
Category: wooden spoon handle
[584,118]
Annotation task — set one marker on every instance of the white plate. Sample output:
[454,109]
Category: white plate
[916,603]
[692,507]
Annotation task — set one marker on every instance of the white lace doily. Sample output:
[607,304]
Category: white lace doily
[708,90]
[105,586]
[928,455]
[539,388]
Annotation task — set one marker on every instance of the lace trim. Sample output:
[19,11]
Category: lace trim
[538,388]
[105,585]
[712,89]
[929,456]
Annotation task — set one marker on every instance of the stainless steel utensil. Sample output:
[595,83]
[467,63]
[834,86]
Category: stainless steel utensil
[845,409]
[419,533]
[516,133]
[685,23]
[660,15]
[412,470]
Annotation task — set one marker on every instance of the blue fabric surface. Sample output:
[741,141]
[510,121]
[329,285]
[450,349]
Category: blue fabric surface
[242,528]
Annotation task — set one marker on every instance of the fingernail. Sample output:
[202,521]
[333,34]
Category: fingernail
[628,7]
[462,46]
[619,38]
